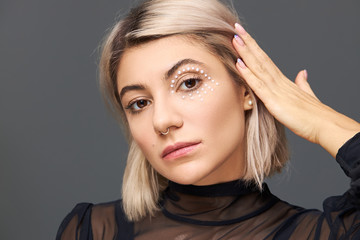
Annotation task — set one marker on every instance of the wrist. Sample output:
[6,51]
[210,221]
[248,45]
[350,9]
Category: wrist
[336,132]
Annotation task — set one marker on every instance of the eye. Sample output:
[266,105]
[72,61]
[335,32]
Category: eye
[138,105]
[189,84]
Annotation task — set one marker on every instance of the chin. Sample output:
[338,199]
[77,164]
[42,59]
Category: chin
[186,179]
[189,172]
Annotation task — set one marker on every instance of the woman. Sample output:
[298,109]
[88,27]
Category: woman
[204,132]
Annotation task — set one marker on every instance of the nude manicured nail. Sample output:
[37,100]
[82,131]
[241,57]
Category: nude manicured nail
[305,73]
[241,63]
[239,40]
[239,28]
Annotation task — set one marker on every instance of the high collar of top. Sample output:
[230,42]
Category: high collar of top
[233,188]
[215,205]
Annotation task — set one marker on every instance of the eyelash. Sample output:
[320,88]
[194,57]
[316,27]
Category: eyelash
[197,85]
[198,82]
[131,105]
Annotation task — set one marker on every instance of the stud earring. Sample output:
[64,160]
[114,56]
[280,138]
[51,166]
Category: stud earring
[250,102]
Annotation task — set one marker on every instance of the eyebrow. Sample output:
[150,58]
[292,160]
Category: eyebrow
[167,75]
[130,88]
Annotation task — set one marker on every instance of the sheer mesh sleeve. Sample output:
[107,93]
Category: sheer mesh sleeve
[342,213]
[349,159]
[95,222]
[76,224]
[341,216]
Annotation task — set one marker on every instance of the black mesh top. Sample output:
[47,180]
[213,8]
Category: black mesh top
[232,210]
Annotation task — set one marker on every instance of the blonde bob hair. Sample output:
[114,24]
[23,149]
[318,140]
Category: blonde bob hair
[211,24]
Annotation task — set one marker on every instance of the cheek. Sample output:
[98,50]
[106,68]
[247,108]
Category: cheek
[222,114]
[142,134]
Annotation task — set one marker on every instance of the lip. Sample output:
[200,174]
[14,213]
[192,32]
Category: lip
[178,150]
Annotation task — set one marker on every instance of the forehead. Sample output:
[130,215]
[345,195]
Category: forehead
[153,59]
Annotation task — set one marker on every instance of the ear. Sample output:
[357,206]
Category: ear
[248,100]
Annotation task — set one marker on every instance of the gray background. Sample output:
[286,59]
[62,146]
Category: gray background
[59,146]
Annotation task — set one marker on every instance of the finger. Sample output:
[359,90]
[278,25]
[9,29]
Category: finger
[254,57]
[302,83]
[256,84]
[251,61]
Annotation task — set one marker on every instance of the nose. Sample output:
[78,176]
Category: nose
[166,117]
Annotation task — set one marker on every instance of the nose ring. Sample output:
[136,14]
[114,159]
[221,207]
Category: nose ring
[165,133]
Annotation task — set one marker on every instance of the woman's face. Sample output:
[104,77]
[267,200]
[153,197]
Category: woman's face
[176,84]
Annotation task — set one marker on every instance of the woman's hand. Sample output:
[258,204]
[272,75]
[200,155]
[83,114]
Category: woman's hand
[293,104]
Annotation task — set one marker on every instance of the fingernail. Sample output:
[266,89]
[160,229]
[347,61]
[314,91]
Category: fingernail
[241,63]
[239,28]
[305,73]
[239,40]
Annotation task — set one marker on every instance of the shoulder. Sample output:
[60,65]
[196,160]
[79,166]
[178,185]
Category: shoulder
[88,221]
[104,218]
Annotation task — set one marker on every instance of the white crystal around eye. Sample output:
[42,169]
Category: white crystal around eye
[206,85]
[190,94]
[172,85]
[176,76]
[204,92]
[197,92]
[179,72]
[192,98]
[172,91]
[183,97]
[202,89]
[213,80]
[183,69]
[201,99]
[197,69]
[209,78]
[205,75]
[188,68]
[217,84]
[192,68]
[201,71]
[173,81]
[209,87]
[212,89]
